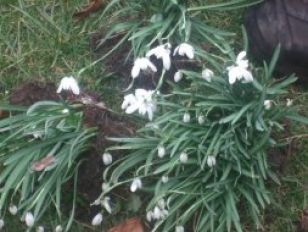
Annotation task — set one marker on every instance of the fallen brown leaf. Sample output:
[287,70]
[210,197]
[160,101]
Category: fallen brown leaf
[43,163]
[130,225]
[93,6]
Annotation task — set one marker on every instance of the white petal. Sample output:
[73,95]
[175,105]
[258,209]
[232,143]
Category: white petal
[166,61]
[107,158]
[136,184]
[152,66]
[97,220]
[161,151]
[207,75]
[186,117]
[149,216]
[241,56]
[211,161]
[40,229]
[179,229]
[135,71]
[176,50]
[247,76]
[178,76]
[106,204]
[29,219]
[13,209]
[183,157]
[58,228]
[232,75]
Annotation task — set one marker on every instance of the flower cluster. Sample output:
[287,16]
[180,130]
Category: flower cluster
[159,212]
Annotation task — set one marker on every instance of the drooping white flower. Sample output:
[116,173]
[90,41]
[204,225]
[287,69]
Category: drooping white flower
[105,186]
[40,229]
[106,204]
[97,219]
[201,119]
[107,158]
[183,157]
[161,151]
[185,49]
[29,219]
[186,117]
[65,111]
[240,71]
[289,102]
[178,76]
[162,52]
[142,64]
[211,161]
[207,74]
[136,184]
[179,229]
[58,228]
[1,224]
[69,84]
[142,101]
[13,209]
[165,179]
[149,216]
[268,104]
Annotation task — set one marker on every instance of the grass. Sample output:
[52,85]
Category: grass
[40,40]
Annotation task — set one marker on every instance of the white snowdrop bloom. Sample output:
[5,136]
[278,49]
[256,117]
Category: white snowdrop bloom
[183,157]
[240,71]
[142,101]
[97,219]
[207,74]
[105,186]
[106,204]
[201,119]
[142,64]
[40,229]
[186,117]
[185,49]
[161,203]
[65,111]
[149,216]
[289,102]
[157,213]
[107,158]
[161,151]
[136,184]
[165,179]
[58,228]
[1,224]
[268,104]
[162,52]
[178,76]
[211,161]
[179,229]
[13,209]
[29,219]
[69,83]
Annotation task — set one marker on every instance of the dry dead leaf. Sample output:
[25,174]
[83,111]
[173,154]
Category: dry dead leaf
[43,163]
[130,225]
[94,5]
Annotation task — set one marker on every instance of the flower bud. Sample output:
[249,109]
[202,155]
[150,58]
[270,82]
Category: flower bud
[201,119]
[29,219]
[40,229]
[136,184]
[289,102]
[165,179]
[267,104]
[207,75]
[186,117]
[161,151]
[107,158]
[13,209]
[178,76]
[211,161]
[183,157]
[59,228]
[97,220]
[179,229]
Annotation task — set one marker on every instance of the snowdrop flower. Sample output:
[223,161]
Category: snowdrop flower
[106,204]
[165,179]
[69,83]
[149,216]
[136,184]
[107,158]
[267,104]
[186,117]
[142,64]
[97,220]
[141,101]
[201,119]
[185,49]
[211,161]
[207,74]
[40,229]
[161,151]
[178,76]
[183,157]
[289,102]
[58,228]
[179,229]
[13,209]
[162,52]
[239,70]
[1,223]
[65,111]
[105,186]
[29,219]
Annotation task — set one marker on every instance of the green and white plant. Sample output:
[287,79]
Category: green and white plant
[204,156]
